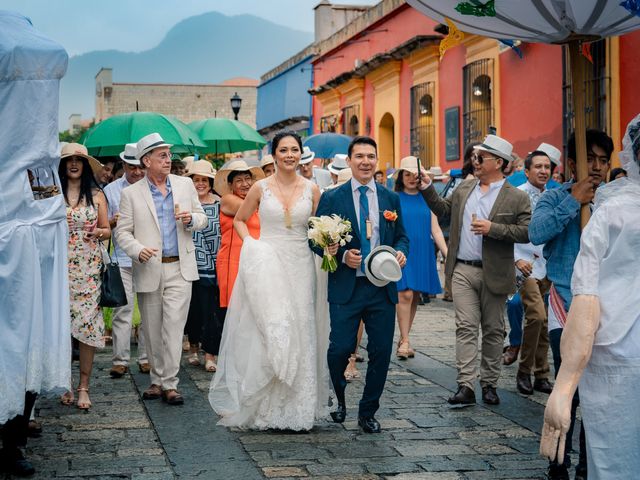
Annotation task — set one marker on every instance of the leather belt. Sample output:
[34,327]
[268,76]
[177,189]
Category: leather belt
[473,263]
[170,259]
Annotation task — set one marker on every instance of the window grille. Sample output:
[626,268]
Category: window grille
[477,84]
[423,129]
[350,120]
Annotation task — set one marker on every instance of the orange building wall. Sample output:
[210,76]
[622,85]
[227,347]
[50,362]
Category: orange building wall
[450,81]
[406,82]
[629,78]
[531,97]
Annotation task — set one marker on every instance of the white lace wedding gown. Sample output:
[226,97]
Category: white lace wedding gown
[272,369]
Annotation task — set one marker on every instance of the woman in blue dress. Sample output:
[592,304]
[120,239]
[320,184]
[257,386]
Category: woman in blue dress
[420,274]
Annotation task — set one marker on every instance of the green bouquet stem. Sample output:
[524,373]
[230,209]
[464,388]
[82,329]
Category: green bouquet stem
[329,262]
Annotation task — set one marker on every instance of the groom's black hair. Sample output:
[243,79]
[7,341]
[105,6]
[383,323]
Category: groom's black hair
[364,141]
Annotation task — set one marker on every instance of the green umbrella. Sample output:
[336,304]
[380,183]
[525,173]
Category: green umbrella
[223,135]
[109,137]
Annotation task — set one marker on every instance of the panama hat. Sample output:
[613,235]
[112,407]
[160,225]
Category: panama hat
[381,266]
[267,160]
[437,173]
[552,152]
[307,156]
[221,183]
[344,176]
[496,146]
[77,150]
[201,167]
[339,163]
[409,164]
[149,143]
[129,154]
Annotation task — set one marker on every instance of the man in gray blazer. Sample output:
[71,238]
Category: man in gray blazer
[488,216]
[157,216]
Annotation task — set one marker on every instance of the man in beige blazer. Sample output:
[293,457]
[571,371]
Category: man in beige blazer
[488,216]
[157,216]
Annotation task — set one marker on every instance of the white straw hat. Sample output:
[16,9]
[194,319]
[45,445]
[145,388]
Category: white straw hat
[221,183]
[201,167]
[150,142]
[381,266]
[339,163]
[307,156]
[78,150]
[552,152]
[496,146]
[129,154]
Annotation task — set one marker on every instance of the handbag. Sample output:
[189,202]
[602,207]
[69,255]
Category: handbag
[112,293]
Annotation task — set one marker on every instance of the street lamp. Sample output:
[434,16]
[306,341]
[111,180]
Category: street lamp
[236,101]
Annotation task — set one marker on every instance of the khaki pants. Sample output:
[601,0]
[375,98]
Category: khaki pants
[121,325]
[475,306]
[535,337]
[164,314]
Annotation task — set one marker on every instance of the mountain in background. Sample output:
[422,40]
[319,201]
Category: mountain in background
[208,48]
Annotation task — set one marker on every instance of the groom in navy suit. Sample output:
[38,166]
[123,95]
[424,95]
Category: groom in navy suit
[351,295]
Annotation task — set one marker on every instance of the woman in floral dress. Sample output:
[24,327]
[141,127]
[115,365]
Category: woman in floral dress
[88,226]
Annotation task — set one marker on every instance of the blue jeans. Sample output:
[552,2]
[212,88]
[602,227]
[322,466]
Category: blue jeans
[515,313]
[554,342]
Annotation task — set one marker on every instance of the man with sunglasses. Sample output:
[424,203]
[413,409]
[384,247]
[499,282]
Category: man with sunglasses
[488,215]
[556,224]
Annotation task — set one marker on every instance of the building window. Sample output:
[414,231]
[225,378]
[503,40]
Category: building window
[423,130]
[350,122]
[597,92]
[478,110]
[329,123]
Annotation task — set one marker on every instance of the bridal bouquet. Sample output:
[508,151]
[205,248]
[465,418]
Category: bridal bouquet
[327,230]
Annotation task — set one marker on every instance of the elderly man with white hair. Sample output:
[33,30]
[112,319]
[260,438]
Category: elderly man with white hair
[157,217]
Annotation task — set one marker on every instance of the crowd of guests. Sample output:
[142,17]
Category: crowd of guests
[182,268]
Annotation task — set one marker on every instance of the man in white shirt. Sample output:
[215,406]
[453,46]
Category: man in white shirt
[123,316]
[531,265]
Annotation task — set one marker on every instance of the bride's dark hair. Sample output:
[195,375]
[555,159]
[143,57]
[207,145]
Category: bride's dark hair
[280,135]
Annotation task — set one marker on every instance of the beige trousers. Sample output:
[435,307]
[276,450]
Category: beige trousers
[535,336]
[476,307]
[121,323]
[164,314]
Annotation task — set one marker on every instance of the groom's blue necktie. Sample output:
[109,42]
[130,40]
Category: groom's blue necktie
[365,244]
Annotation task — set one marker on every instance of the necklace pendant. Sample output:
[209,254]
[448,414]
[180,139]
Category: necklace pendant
[287,218]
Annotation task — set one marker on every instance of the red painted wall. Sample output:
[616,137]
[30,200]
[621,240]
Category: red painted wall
[629,79]
[406,82]
[401,25]
[450,95]
[531,97]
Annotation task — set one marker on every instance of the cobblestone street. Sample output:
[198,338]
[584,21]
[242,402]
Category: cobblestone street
[422,438]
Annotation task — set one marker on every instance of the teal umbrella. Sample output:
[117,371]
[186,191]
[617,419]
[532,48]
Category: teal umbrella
[109,137]
[223,135]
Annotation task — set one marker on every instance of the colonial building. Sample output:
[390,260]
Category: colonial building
[187,102]
[283,97]
[382,75]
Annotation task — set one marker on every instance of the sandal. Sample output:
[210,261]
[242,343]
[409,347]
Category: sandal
[67,398]
[84,405]
[193,359]
[351,372]
[404,350]
[210,366]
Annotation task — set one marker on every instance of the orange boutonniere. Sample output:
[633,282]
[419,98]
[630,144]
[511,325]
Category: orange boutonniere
[390,216]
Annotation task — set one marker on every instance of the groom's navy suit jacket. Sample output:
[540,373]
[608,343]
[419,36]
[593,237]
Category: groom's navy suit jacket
[392,233]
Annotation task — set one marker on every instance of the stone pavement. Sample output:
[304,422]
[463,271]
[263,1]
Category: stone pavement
[422,438]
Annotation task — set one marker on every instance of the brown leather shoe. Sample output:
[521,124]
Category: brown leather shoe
[144,367]
[464,396]
[542,385]
[153,392]
[118,371]
[523,383]
[510,355]
[490,396]
[172,397]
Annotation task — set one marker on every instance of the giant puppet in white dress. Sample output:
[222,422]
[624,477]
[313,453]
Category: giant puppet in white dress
[35,346]
[601,341]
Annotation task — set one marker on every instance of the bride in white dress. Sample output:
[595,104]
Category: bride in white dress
[272,369]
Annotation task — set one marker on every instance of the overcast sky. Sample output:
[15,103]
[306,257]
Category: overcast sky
[135,25]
